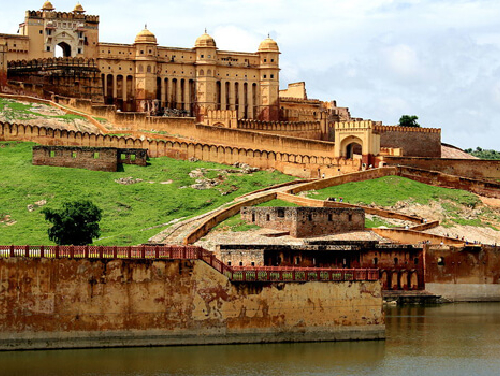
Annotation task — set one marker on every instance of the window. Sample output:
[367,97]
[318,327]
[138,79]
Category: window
[202,56]
[229,263]
[142,52]
[267,217]
[79,50]
[375,261]
[48,48]
[330,217]
[40,31]
[150,51]
[297,260]
[52,154]
[350,217]
[272,60]
[265,60]
[440,261]
[73,154]
[132,157]
[281,212]
[122,156]
[395,260]
[265,76]
[253,263]
[309,217]
[96,155]
[271,75]
[241,264]
[253,217]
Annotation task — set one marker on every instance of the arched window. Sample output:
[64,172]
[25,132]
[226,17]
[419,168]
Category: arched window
[149,68]
[202,72]
[209,73]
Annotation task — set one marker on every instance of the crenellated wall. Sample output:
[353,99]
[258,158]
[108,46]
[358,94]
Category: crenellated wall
[292,164]
[416,142]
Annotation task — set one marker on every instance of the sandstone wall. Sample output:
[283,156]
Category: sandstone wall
[67,303]
[416,142]
[293,164]
[471,168]
[464,273]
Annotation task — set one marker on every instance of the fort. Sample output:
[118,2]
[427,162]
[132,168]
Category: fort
[215,105]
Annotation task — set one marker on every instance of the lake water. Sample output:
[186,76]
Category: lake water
[455,339]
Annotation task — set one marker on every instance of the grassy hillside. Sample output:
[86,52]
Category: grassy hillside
[129,210]
[451,206]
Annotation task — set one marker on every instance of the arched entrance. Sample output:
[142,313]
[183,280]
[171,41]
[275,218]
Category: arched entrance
[354,150]
[63,49]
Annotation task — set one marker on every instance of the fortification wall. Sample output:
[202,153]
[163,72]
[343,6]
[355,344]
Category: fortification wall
[299,129]
[414,237]
[438,179]
[463,274]
[416,142]
[293,164]
[68,303]
[471,168]
[96,159]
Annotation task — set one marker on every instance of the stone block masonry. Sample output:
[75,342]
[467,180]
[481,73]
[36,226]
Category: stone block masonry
[69,303]
[306,221]
[90,158]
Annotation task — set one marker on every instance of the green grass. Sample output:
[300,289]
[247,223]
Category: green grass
[377,222]
[388,190]
[14,110]
[127,209]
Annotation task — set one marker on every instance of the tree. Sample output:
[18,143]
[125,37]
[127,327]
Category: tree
[77,223]
[409,121]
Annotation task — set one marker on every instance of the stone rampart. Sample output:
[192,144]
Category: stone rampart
[71,303]
[416,142]
[292,164]
[470,168]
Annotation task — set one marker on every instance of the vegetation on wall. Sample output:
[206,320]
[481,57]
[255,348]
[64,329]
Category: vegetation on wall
[409,121]
[131,213]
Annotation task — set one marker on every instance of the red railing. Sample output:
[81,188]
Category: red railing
[234,273]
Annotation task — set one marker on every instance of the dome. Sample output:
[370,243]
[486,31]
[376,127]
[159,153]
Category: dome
[268,45]
[145,36]
[47,6]
[205,41]
[78,8]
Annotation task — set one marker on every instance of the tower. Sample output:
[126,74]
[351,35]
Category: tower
[146,52]
[207,91]
[269,80]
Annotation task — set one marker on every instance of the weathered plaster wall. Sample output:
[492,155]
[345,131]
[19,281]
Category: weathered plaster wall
[65,303]
[463,273]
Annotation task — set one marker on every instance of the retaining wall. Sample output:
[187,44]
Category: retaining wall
[70,303]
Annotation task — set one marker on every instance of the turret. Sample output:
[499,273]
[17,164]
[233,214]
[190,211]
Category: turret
[206,81]
[146,52]
[269,79]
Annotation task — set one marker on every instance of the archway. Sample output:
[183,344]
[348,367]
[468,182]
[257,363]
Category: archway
[354,150]
[63,49]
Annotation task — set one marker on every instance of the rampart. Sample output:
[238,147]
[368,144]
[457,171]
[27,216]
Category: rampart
[470,168]
[292,164]
[299,129]
[416,142]
[90,158]
[62,302]
[470,273]
[68,76]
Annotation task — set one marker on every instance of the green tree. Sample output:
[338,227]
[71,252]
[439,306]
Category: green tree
[77,223]
[409,121]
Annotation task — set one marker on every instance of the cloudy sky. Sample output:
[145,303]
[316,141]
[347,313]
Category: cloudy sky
[438,59]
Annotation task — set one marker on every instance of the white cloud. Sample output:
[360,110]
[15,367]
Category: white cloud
[439,59]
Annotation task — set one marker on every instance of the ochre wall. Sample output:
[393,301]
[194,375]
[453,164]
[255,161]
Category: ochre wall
[64,303]
[471,168]
[467,274]
[292,164]
[416,142]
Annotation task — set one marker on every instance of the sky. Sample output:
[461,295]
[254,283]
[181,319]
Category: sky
[437,59]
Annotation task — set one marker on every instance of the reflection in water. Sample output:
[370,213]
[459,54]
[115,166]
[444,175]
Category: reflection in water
[460,339]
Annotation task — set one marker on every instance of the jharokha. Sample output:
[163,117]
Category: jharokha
[215,105]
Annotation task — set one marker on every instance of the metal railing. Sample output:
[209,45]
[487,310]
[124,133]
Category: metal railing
[234,273]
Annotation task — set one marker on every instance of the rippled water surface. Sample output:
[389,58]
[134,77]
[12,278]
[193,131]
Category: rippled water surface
[458,339]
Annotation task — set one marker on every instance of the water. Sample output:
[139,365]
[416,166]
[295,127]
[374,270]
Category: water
[459,339]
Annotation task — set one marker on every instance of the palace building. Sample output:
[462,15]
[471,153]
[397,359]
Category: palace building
[146,77]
